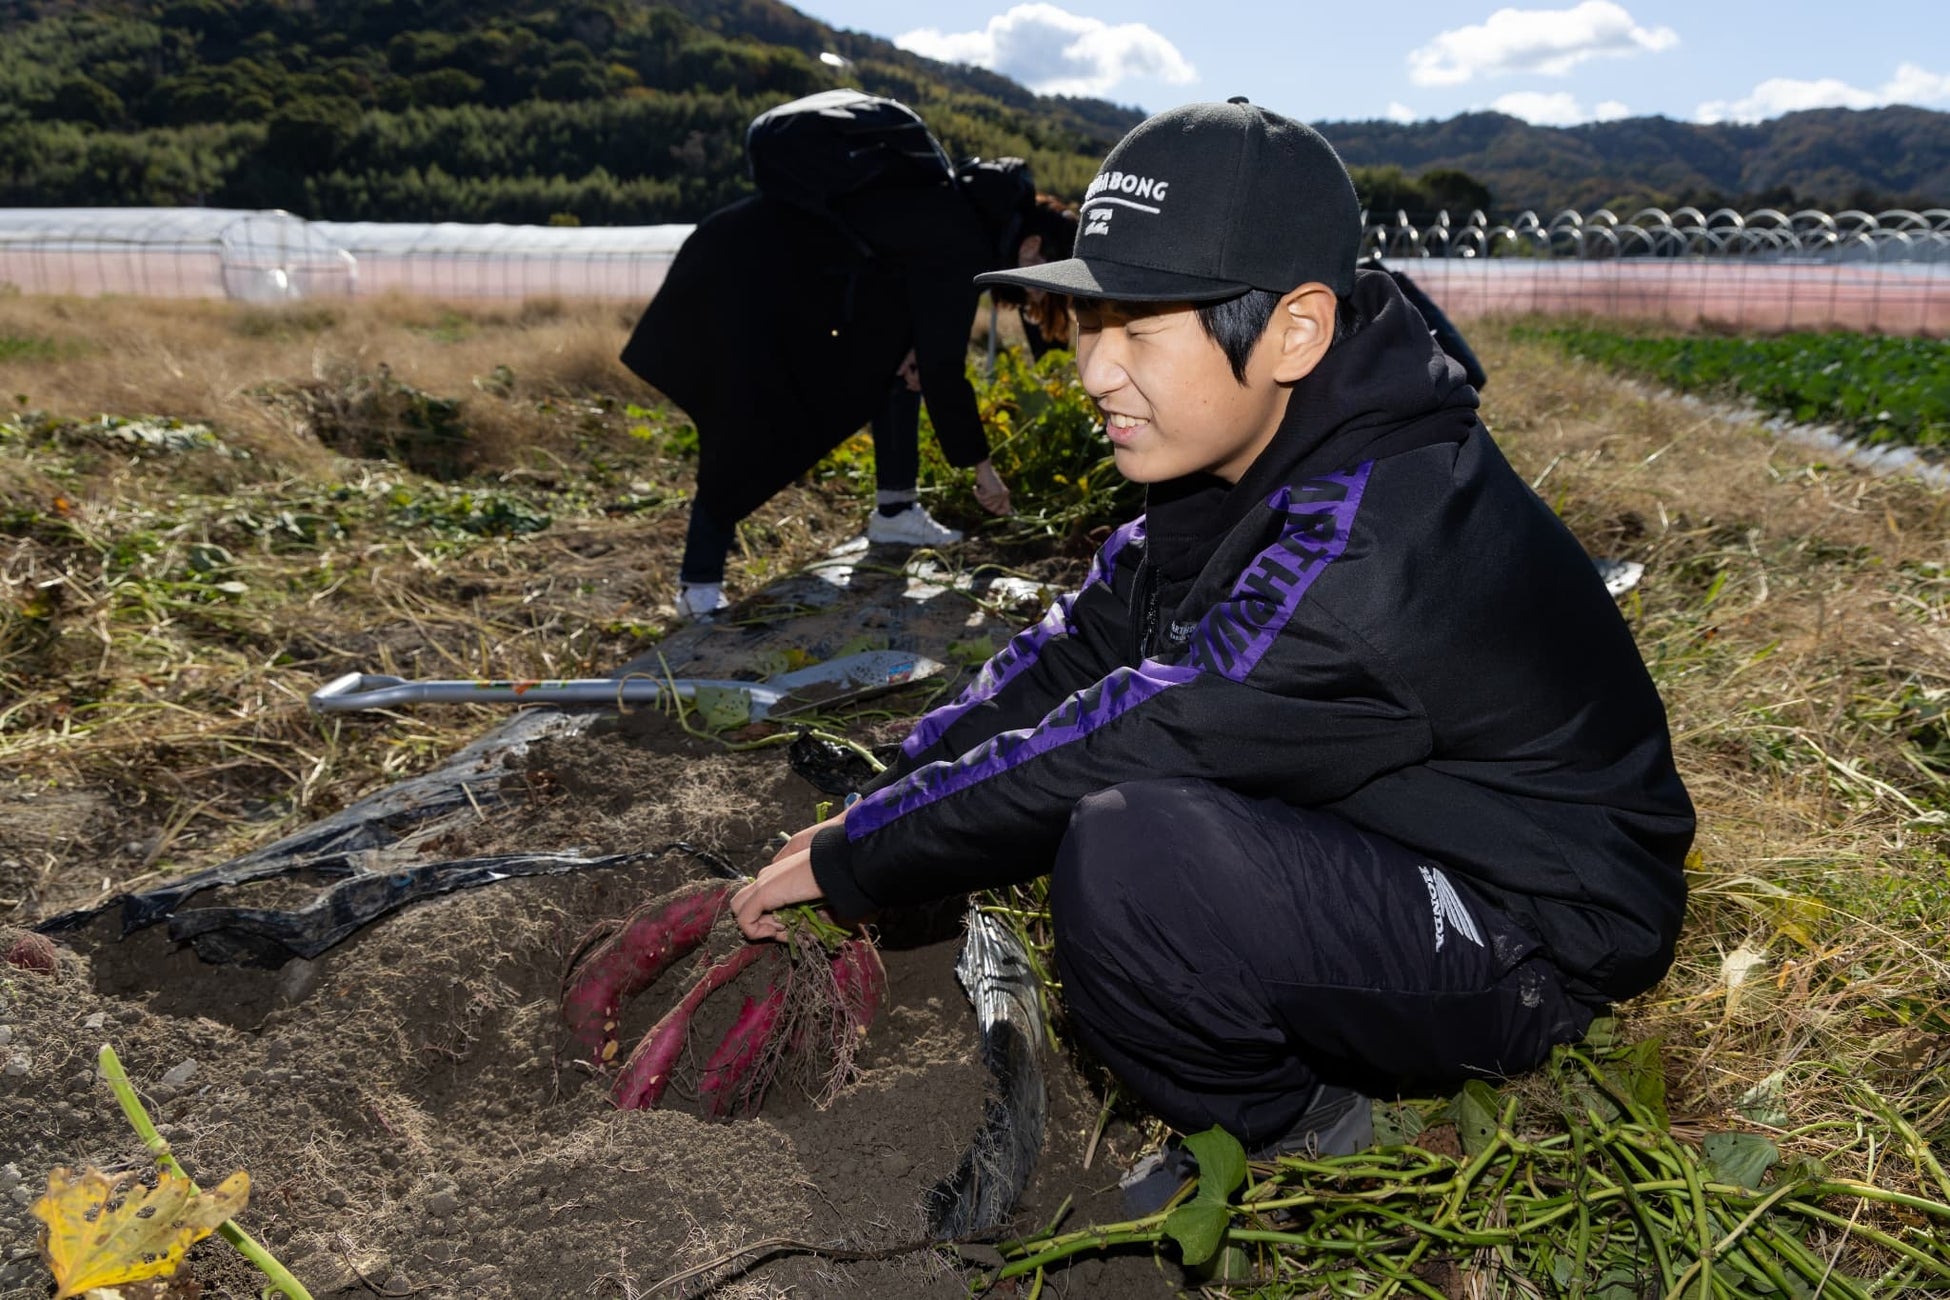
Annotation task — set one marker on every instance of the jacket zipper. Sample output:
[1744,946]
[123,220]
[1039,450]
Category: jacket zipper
[1145,598]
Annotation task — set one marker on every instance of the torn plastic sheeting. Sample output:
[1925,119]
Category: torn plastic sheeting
[324,847]
[833,768]
[1619,576]
[259,937]
[139,911]
[470,776]
[982,1192]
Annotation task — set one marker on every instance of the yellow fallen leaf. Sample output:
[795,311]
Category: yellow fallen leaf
[102,1231]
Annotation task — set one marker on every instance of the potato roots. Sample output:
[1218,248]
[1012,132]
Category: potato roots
[806,1021]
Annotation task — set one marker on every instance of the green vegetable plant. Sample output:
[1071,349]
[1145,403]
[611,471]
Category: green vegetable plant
[1588,1191]
[1879,389]
[1046,439]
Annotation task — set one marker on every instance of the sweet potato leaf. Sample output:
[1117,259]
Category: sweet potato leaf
[1199,1225]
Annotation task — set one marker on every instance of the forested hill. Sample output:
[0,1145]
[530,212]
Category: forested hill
[627,111]
[1829,158]
[598,111]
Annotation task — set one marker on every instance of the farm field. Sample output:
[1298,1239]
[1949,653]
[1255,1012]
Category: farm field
[207,511]
[1876,389]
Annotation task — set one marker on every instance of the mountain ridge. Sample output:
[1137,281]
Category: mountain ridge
[1897,156]
[628,111]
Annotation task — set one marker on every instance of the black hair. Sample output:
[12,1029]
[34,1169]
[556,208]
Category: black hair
[1055,222]
[1237,324]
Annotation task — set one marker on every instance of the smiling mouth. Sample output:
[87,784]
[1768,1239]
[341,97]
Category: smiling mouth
[1121,429]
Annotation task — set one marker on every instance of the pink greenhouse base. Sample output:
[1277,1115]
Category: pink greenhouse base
[1908,299]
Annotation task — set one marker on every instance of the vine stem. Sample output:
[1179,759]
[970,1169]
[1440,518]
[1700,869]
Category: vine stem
[247,1246]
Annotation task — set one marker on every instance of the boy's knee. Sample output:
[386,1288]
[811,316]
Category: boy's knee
[1124,845]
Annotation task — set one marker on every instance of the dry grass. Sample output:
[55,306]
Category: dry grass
[164,613]
[1796,615]
[197,360]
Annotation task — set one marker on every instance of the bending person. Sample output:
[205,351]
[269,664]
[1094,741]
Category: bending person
[1047,233]
[778,332]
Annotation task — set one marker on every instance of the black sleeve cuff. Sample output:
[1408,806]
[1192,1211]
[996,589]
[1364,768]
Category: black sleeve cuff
[832,867]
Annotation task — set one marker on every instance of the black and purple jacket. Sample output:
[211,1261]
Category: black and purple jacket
[1381,620]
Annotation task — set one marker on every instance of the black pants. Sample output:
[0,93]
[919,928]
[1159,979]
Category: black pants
[1224,954]
[897,441]
[896,468]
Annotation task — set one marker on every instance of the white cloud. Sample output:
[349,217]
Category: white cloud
[1777,95]
[1542,108]
[1056,52]
[1399,112]
[1546,41]
[1912,85]
[1556,108]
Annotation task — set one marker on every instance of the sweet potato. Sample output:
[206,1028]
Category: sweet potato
[646,1074]
[632,957]
[737,1072]
[862,982]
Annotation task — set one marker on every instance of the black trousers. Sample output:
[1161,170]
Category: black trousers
[896,468]
[1223,955]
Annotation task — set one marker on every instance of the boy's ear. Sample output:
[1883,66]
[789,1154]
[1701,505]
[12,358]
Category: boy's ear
[1303,329]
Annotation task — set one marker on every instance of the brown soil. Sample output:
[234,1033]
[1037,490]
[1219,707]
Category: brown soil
[409,1108]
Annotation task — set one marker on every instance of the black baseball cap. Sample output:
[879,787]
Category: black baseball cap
[1205,202]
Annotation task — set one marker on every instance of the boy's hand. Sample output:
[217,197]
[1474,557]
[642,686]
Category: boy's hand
[787,881]
[991,493]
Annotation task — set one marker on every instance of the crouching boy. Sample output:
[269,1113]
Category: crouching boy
[1345,768]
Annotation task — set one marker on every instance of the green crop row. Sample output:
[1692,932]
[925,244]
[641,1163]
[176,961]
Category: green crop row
[1878,389]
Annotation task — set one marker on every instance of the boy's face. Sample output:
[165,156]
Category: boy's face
[1171,404]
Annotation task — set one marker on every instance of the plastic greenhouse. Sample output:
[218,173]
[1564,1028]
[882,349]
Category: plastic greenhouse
[274,256]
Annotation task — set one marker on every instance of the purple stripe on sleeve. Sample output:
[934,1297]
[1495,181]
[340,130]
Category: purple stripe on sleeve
[1236,634]
[1022,650]
[1117,694]
[1229,642]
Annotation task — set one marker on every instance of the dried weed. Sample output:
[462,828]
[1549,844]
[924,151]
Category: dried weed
[1794,615]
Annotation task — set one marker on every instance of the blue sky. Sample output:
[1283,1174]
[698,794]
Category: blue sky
[1554,62]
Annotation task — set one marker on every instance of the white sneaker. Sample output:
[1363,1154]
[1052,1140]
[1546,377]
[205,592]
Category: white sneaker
[699,602]
[913,526]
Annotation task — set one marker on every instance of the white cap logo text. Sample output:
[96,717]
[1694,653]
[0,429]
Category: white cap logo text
[1107,193]
[1143,187]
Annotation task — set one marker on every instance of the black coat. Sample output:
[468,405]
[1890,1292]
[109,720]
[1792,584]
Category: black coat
[1380,620]
[1447,336]
[779,335]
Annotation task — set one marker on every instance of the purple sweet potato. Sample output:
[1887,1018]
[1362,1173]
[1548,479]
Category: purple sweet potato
[737,1071]
[647,1073]
[862,983]
[632,956]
